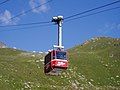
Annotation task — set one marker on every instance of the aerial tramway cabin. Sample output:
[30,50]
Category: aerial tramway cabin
[56,59]
[55,62]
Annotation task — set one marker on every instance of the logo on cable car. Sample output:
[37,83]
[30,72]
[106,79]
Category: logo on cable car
[60,63]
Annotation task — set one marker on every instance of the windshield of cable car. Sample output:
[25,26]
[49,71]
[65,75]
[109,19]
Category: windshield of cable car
[61,55]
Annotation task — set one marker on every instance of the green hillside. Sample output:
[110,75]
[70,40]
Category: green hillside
[94,65]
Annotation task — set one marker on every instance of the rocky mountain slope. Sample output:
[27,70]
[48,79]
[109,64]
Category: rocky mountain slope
[93,65]
[2,45]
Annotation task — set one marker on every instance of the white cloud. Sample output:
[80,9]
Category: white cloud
[23,12]
[5,18]
[110,29]
[35,3]
[112,26]
[118,26]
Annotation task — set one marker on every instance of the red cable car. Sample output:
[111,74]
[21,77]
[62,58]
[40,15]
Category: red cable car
[55,61]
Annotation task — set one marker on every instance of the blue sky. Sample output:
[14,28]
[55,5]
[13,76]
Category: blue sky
[42,38]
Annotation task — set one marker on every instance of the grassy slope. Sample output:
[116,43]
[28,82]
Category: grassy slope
[93,65]
[99,61]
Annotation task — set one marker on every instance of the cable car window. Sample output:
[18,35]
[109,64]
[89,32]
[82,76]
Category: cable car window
[61,55]
[53,54]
